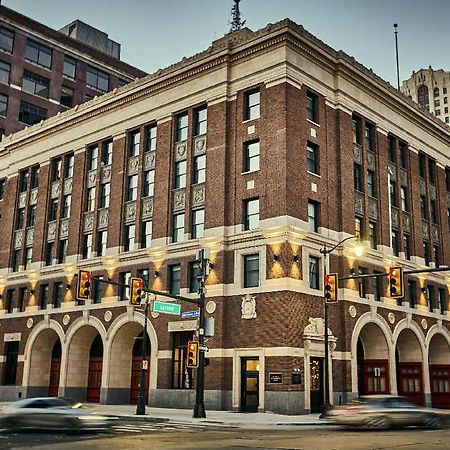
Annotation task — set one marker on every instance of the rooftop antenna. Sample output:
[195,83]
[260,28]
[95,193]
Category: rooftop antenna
[396,54]
[236,22]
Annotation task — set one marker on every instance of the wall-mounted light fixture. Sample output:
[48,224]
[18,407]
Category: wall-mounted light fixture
[296,258]
[68,286]
[276,258]
[30,292]
[156,273]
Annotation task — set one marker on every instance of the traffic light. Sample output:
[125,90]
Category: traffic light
[395,282]
[331,287]
[192,356]
[136,291]
[84,284]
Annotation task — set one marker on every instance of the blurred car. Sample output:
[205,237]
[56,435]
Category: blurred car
[385,411]
[50,413]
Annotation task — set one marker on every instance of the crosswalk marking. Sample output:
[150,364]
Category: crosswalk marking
[147,427]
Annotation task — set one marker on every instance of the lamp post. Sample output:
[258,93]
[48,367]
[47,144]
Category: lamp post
[326,397]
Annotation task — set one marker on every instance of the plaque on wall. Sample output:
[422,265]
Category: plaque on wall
[296,378]
[275,378]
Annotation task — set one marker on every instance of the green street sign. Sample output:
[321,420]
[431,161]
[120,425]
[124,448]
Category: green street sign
[166,308]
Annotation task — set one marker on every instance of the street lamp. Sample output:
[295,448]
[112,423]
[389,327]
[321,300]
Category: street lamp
[325,252]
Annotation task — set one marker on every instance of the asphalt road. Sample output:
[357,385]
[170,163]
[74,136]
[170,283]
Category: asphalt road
[169,436]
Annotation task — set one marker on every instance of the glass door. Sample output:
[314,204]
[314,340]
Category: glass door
[249,384]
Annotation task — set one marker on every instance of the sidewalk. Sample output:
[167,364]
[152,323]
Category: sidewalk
[216,418]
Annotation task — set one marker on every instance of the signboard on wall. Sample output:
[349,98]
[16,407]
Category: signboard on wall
[275,378]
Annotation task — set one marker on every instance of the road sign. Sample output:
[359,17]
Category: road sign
[190,314]
[166,308]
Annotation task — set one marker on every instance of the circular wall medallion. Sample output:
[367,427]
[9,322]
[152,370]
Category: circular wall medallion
[424,324]
[391,318]
[210,307]
[352,310]
[155,314]
[107,316]
[29,322]
[66,319]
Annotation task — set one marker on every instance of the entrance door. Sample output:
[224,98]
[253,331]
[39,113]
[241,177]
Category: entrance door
[316,382]
[410,383]
[249,384]
[440,385]
[55,367]
[95,370]
[376,376]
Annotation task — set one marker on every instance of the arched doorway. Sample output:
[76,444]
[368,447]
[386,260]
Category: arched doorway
[95,370]
[372,357]
[408,356]
[136,367]
[439,361]
[55,369]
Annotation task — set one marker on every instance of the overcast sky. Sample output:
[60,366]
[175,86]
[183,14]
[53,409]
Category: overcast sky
[157,33]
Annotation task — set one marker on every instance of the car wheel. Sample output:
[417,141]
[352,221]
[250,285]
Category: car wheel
[378,423]
[433,422]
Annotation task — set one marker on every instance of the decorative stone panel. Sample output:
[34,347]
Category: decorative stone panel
[432,191]
[179,199]
[147,207]
[404,177]
[425,230]
[67,189]
[359,203]
[51,231]
[64,228]
[29,236]
[33,196]
[180,150]
[91,178]
[406,220]
[393,168]
[130,211]
[357,153]
[395,218]
[423,187]
[106,174]
[199,145]
[435,232]
[22,199]
[198,195]
[56,187]
[371,160]
[18,238]
[88,221]
[103,218]
[133,165]
[373,208]
[149,160]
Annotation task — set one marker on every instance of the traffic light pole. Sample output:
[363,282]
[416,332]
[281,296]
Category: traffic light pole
[326,369]
[140,407]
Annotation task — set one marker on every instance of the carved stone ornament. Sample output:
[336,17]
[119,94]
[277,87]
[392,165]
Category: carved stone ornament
[56,186]
[424,324]
[351,311]
[133,165]
[130,211]
[67,186]
[359,203]
[248,307]
[64,228]
[406,218]
[180,150]
[149,160]
[371,160]
[22,199]
[108,316]
[435,231]
[404,177]
[18,239]
[30,322]
[357,153]
[92,178]
[199,145]
[425,231]
[391,318]
[179,199]
[30,236]
[154,314]
[88,221]
[432,191]
[198,195]
[106,174]
[147,207]
[33,196]
[423,187]
[66,319]
[103,218]
[373,208]
[394,216]
[393,168]
[51,231]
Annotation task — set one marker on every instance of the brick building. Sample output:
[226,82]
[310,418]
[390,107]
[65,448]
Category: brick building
[264,148]
[44,71]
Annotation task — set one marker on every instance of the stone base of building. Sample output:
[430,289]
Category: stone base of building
[289,403]
[13,393]
[185,399]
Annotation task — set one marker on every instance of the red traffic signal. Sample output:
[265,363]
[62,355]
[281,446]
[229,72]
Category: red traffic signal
[331,287]
[396,282]
[84,284]
[136,291]
[192,354]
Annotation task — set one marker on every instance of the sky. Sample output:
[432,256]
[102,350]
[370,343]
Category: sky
[157,33]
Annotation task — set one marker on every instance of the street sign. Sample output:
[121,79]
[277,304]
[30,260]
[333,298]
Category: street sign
[145,364]
[190,314]
[204,348]
[166,308]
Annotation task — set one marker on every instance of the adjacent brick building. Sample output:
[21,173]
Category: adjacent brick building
[264,148]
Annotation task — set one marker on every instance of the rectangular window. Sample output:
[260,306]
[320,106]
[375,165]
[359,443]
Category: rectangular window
[393,193]
[430,297]
[21,302]
[146,236]
[56,169]
[105,195]
[407,245]
[49,252]
[201,121]
[2,188]
[182,376]
[377,286]
[252,104]
[28,257]
[69,67]
[182,127]
[135,139]
[97,79]
[107,151]
[12,355]
[124,290]
[422,164]
[174,278]
[35,173]
[53,210]
[251,214]
[313,270]
[66,203]
[358,228]
[43,296]
[423,207]
[434,212]
[362,282]
[62,251]
[312,155]
[436,255]
[180,174]
[199,169]
[38,54]
[31,114]
[357,177]
[371,184]
[35,84]
[150,141]
[313,216]
[356,130]
[4,105]
[251,156]
[5,70]
[130,236]
[442,301]
[312,107]
[178,228]
[251,270]
[426,252]
[144,275]
[403,155]
[23,180]
[194,276]
[6,40]
[431,170]
[93,158]
[20,218]
[87,246]
[97,289]
[395,243]
[66,97]
[368,137]
[404,198]
[198,223]
[10,300]
[373,235]
[148,187]
[132,188]
[16,261]
[31,215]
[102,238]
[391,149]
[90,199]
[57,294]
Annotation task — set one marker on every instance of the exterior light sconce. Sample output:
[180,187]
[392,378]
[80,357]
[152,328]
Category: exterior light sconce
[156,273]
[424,290]
[68,286]
[296,258]
[30,292]
[211,266]
[276,258]
[352,271]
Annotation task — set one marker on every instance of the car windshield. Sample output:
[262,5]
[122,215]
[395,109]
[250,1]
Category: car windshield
[42,403]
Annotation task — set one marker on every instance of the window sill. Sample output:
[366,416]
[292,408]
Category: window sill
[250,171]
[313,123]
[250,120]
[314,174]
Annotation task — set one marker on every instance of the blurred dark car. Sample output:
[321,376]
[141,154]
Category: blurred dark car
[385,411]
[50,413]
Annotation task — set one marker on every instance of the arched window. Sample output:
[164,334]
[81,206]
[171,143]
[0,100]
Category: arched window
[422,96]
